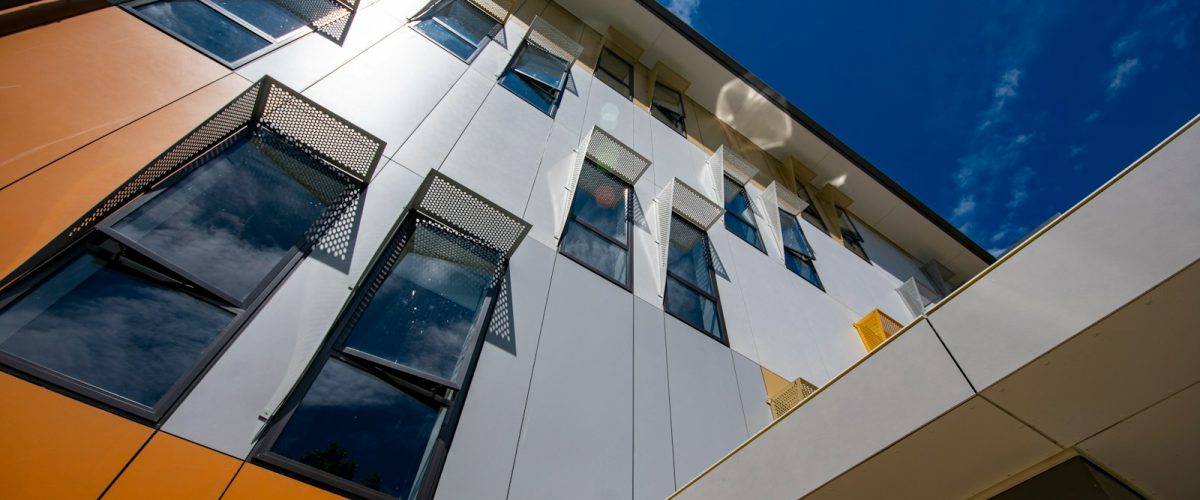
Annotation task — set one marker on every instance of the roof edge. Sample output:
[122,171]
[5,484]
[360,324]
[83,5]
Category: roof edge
[777,98]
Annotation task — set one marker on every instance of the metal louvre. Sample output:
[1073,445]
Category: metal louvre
[342,147]
[498,10]
[548,38]
[610,154]
[679,198]
[726,162]
[330,18]
[448,202]
[789,398]
[775,198]
[917,297]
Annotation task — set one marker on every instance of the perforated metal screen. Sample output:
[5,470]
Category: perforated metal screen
[726,162]
[790,397]
[775,198]
[330,18]
[304,125]
[679,198]
[546,37]
[448,202]
[498,10]
[609,153]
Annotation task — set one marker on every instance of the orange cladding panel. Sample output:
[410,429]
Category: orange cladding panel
[67,83]
[41,206]
[56,447]
[257,483]
[170,467]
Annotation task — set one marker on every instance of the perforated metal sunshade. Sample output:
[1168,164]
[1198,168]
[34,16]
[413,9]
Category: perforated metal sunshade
[610,154]
[446,201]
[726,162]
[330,18]
[679,198]
[775,198]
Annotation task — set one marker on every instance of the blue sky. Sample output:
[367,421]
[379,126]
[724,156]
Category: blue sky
[996,114]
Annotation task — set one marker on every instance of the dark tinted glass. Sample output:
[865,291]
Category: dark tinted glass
[687,257]
[810,212]
[534,93]
[541,66]
[356,426]
[446,38]
[602,201]
[422,313]
[803,267]
[667,106]
[233,219]
[693,308]
[742,230]
[736,200]
[850,236]
[602,255]
[466,20]
[264,15]
[793,236]
[105,326]
[615,72]
[203,26]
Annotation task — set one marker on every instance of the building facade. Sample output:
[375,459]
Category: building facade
[405,249]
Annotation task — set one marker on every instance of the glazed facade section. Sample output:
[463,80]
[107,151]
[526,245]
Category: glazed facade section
[608,279]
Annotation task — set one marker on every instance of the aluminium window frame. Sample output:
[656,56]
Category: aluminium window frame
[102,232]
[682,127]
[427,14]
[628,246]
[855,238]
[811,211]
[810,259]
[715,296]
[605,51]
[558,92]
[761,246]
[450,402]
[273,43]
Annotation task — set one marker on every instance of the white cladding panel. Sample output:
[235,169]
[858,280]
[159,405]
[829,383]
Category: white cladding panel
[653,461]
[428,146]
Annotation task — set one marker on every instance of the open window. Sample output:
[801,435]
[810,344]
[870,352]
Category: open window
[810,212]
[127,307]
[235,32]
[687,259]
[798,255]
[667,106]
[463,27]
[375,413]
[539,71]
[851,238]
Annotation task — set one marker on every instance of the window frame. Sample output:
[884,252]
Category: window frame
[655,107]
[273,43]
[510,70]
[715,296]
[628,246]
[628,92]
[811,213]
[427,14]
[853,243]
[798,254]
[450,402]
[187,283]
[761,246]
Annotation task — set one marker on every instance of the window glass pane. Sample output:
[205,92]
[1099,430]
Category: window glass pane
[803,267]
[534,93]
[446,38]
[850,235]
[793,236]
[602,202]
[356,426]
[602,255]
[467,21]
[693,308]
[810,213]
[264,14]
[736,200]
[669,99]
[687,257]
[615,72]
[541,66]
[205,27]
[232,220]
[101,324]
[742,230]
[422,313]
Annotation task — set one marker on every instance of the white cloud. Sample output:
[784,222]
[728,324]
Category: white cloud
[1077,150]
[1126,44]
[686,10]
[965,206]
[1120,76]
[1020,188]
[1091,118]
[997,252]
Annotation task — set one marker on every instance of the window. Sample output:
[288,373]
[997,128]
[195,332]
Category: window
[129,314]
[810,213]
[615,72]
[375,413]
[537,76]
[598,230]
[458,26]
[739,216]
[667,106]
[850,235]
[231,31]
[691,288]
[797,254]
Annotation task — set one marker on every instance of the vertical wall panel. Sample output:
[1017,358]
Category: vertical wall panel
[547,209]
[169,467]
[754,393]
[674,156]
[480,462]
[576,438]
[653,462]
[56,447]
[428,146]
[612,112]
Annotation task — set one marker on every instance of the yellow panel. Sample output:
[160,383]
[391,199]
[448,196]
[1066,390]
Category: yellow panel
[56,447]
[170,467]
[875,328]
[41,206]
[792,395]
[773,382]
[256,483]
[70,82]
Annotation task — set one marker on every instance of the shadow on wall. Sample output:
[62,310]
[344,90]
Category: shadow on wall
[501,331]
